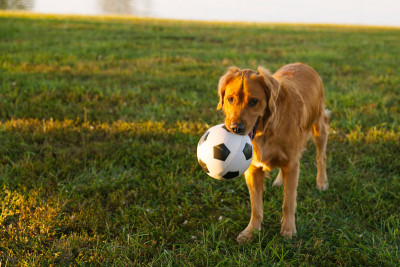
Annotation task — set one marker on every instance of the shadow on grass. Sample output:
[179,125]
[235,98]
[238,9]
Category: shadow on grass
[116,192]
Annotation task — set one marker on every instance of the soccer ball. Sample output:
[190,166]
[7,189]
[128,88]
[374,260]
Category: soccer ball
[224,155]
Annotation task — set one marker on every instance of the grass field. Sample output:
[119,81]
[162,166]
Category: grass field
[99,122]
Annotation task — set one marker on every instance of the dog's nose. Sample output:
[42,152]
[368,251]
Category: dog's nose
[237,127]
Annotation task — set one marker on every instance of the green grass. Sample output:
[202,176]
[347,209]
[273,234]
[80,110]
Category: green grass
[99,122]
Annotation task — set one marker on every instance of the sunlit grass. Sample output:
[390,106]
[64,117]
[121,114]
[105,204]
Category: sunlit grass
[43,127]
[374,134]
[35,126]
[99,122]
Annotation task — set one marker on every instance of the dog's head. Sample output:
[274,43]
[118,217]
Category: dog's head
[248,99]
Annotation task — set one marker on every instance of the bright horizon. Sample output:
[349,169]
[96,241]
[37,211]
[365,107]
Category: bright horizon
[356,12]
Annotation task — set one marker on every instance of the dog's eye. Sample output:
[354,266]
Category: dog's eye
[230,100]
[253,102]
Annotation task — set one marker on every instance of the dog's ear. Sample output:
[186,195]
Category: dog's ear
[223,81]
[272,89]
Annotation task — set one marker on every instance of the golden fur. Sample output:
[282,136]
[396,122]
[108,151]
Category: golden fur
[286,108]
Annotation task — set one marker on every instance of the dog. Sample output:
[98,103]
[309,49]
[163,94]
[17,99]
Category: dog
[280,112]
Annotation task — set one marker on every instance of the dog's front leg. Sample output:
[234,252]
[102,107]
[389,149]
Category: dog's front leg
[255,182]
[290,175]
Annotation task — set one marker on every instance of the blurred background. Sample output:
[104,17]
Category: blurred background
[360,12]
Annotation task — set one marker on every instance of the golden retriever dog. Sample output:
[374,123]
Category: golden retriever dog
[280,112]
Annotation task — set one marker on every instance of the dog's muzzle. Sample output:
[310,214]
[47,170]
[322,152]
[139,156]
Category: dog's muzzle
[238,128]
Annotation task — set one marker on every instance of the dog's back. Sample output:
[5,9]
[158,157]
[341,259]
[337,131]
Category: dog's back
[305,86]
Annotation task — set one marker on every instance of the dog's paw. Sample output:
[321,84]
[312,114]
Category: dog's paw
[247,235]
[288,233]
[322,187]
[288,229]
[244,237]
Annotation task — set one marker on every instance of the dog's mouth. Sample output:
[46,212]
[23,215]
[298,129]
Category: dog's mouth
[253,131]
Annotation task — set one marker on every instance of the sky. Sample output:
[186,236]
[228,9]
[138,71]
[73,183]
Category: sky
[362,12]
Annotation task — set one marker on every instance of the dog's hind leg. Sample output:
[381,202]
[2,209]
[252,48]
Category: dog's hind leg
[320,133]
[279,180]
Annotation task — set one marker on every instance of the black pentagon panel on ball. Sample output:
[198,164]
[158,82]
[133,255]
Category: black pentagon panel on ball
[203,166]
[247,151]
[221,152]
[204,138]
[230,175]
